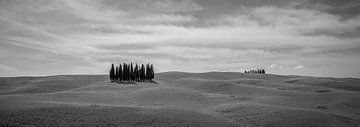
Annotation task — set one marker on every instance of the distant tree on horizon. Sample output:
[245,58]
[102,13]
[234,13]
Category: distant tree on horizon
[120,73]
[131,72]
[143,75]
[111,75]
[125,71]
[136,74]
[152,72]
[147,74]
[257,71]
[116,75]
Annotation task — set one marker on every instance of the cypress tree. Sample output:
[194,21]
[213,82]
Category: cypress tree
[142,72]
[139,73]
[136,72]
[111,75]
[116,73]
[147,72]
[131,72]
[120,73]
[125,72]
[152,74]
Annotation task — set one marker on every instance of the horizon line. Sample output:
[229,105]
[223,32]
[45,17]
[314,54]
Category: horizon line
[202,72]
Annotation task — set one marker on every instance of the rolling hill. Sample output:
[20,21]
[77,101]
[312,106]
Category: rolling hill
[181,99]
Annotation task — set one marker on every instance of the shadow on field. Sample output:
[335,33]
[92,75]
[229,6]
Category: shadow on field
[132,82]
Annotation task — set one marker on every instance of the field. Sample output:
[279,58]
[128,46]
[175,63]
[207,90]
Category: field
[178,99]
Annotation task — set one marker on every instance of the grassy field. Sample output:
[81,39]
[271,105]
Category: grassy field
[214,99]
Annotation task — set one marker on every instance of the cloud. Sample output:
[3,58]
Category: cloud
[179,35]
[299,67]
[281,67]
[296,21]
[177,6]
[166,18]
[273,66]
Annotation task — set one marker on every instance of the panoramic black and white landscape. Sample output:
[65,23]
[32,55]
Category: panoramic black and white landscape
[179,63]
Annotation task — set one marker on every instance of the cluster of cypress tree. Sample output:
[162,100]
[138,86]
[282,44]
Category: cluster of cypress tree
[258,71]
[127,72]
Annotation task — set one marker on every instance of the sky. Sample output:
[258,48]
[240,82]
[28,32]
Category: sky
[286,37]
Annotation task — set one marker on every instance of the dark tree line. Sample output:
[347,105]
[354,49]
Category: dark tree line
[258,71]
[130,72]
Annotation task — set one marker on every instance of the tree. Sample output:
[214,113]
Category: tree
[111,75]
[136,74]
[131,72]
[146,72]
[116,77]
[124,72]
[152,74]
[120,73]
[139,73]
[142,72]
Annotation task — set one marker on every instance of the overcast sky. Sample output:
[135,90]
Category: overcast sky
[299,37]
